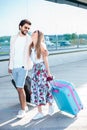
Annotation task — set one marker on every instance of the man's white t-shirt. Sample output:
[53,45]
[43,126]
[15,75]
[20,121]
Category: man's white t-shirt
[19,51]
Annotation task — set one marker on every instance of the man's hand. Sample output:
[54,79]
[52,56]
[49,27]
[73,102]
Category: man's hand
[9,71]
[44,52]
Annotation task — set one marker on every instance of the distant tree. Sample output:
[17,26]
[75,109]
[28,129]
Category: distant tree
[83,36]
[73,36]
[67,36]
[4,38]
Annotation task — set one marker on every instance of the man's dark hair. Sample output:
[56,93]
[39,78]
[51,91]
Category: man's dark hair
[25,21]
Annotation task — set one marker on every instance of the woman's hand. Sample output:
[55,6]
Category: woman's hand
[50,77]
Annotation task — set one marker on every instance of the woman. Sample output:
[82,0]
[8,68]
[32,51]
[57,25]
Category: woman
[40,87]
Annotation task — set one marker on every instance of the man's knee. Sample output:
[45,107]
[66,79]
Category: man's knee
[20,90]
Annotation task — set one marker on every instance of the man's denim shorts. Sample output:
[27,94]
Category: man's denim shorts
[19,75]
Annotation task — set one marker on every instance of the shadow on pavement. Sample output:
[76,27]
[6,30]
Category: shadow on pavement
[8,120]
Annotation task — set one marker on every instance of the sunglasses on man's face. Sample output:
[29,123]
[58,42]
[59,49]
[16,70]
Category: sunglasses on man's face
[26,27]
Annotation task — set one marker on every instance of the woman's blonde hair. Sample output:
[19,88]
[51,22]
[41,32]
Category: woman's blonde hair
[38,47]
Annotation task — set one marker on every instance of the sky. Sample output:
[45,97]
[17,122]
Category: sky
[49,17]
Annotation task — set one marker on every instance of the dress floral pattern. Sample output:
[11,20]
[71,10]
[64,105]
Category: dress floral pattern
[40,88]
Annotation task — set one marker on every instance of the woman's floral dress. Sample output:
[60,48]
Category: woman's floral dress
[40,88]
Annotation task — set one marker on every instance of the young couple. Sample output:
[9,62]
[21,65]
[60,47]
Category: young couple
[30,52]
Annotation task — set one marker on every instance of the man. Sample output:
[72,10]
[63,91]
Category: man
[19,62]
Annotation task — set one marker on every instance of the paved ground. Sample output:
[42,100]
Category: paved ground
[9,105]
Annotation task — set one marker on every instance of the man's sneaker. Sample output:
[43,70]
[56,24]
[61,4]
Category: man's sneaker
[51,110]
[26,109]
[38,116]
[21,114]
